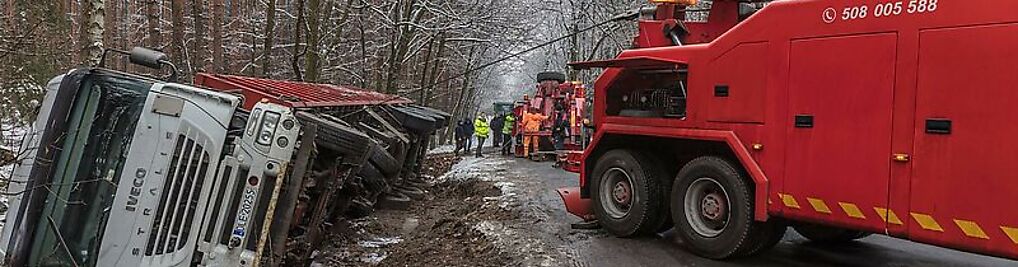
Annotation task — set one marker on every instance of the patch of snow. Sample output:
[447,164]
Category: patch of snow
[508,239]
[380,242]
[373,258]
[470,168]
[445,149]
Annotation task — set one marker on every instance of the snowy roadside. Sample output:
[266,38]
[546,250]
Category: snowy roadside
[514,236]
[443,149]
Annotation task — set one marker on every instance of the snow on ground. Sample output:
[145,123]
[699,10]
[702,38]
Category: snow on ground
[490,169]
[443,149]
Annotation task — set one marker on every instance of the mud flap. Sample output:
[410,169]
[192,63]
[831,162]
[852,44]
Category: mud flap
[576,205]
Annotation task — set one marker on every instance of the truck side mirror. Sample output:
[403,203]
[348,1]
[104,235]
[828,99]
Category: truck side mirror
[144,57]
[147,57]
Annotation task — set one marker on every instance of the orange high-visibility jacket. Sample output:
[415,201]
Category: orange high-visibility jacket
[532,121]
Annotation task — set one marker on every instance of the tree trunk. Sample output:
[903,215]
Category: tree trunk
[199,48]
[152,10]
[430,87]
[217,35]
[298,51]
[111,34]
[177,22]
[93,18]
[270,26]
[311,65]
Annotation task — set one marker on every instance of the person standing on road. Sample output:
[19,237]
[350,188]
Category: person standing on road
[496,126]
[482,130]
[461,136]
[531,125]
[468,128]
[508,123]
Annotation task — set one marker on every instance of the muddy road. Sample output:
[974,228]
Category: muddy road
[500,211]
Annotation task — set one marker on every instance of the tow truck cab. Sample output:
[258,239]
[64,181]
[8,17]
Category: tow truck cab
[126,170]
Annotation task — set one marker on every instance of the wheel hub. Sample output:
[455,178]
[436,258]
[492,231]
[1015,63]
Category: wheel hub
[616,193]
[713,206]
[706,206]
[622,193]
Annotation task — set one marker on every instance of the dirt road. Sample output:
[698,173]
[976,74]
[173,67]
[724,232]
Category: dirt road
[504,212]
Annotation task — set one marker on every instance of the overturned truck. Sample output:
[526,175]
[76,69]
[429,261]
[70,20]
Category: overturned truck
[127,170]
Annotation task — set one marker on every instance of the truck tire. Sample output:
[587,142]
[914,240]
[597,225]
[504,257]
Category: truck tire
[414,121]
[374,181]
[384,162]
[551,76]
[628,197]
[766,238]
[712,207]
[826,234]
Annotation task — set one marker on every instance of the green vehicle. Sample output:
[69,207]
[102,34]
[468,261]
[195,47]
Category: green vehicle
[503,107]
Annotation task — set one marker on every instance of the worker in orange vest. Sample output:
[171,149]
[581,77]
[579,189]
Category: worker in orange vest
[531,125]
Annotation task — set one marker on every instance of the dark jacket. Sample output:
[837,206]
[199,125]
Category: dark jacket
[469,127]
[497,122]
[461,130]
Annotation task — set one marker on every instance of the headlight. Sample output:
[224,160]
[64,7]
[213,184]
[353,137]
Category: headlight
[268,129]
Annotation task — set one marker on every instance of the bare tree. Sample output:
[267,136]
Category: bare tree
[270,38]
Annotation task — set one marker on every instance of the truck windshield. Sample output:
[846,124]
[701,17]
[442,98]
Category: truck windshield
[85,174]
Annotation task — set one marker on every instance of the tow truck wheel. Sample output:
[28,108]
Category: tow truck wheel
[627,193]
[826,234]
[712,207]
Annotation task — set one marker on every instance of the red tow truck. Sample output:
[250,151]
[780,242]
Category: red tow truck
[564,102]
[837,118]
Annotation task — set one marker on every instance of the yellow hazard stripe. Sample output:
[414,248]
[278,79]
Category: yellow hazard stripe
[927,222]
[888,216]
[1011,233]
[819,205]
[971,229]
[852,210]
[789,201]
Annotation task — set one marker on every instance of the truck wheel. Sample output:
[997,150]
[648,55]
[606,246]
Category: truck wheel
[768,236]
[384,162]
[712,207]
[627,194]
[374,181]
[826,234]
[551,76]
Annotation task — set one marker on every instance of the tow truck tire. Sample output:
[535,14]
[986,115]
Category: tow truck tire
[766,238]
[712,207]
[827,234]
[628,197]
[551,76]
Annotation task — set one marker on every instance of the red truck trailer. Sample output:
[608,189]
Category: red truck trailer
[837,118]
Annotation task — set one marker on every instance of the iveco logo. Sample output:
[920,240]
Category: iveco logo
[136,184]
[830,14]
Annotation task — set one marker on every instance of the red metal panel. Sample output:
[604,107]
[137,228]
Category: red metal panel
[969,173]
[640,62]
[845,156]
[295,94]
[742,70]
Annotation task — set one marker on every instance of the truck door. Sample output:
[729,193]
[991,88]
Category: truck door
[839,129]
[964,182]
